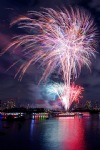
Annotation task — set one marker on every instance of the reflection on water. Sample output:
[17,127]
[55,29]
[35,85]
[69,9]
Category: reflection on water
[66,134]
[69,133]
[75,137]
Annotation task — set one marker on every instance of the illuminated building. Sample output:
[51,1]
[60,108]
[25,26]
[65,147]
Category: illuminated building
[11,104]
[88,104]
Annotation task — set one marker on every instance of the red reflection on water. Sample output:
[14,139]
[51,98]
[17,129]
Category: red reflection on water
[73,135]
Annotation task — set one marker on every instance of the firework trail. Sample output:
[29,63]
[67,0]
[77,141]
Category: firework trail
[67,96]
[62,39]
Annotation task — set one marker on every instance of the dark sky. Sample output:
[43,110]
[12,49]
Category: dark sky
[27,89]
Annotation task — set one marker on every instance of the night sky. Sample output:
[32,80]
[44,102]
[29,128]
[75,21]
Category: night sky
[27,90]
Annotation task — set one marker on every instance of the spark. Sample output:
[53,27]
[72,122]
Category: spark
[65,94]
[63,39]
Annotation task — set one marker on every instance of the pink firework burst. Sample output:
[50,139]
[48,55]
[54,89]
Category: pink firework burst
[63,39]
[71,94]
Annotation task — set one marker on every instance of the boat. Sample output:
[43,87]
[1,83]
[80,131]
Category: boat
[79,114]
[13,116]
[68,114]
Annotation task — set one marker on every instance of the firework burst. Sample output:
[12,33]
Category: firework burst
[65,94]
[62,39]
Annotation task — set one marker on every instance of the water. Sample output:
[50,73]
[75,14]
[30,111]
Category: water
[70,133]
